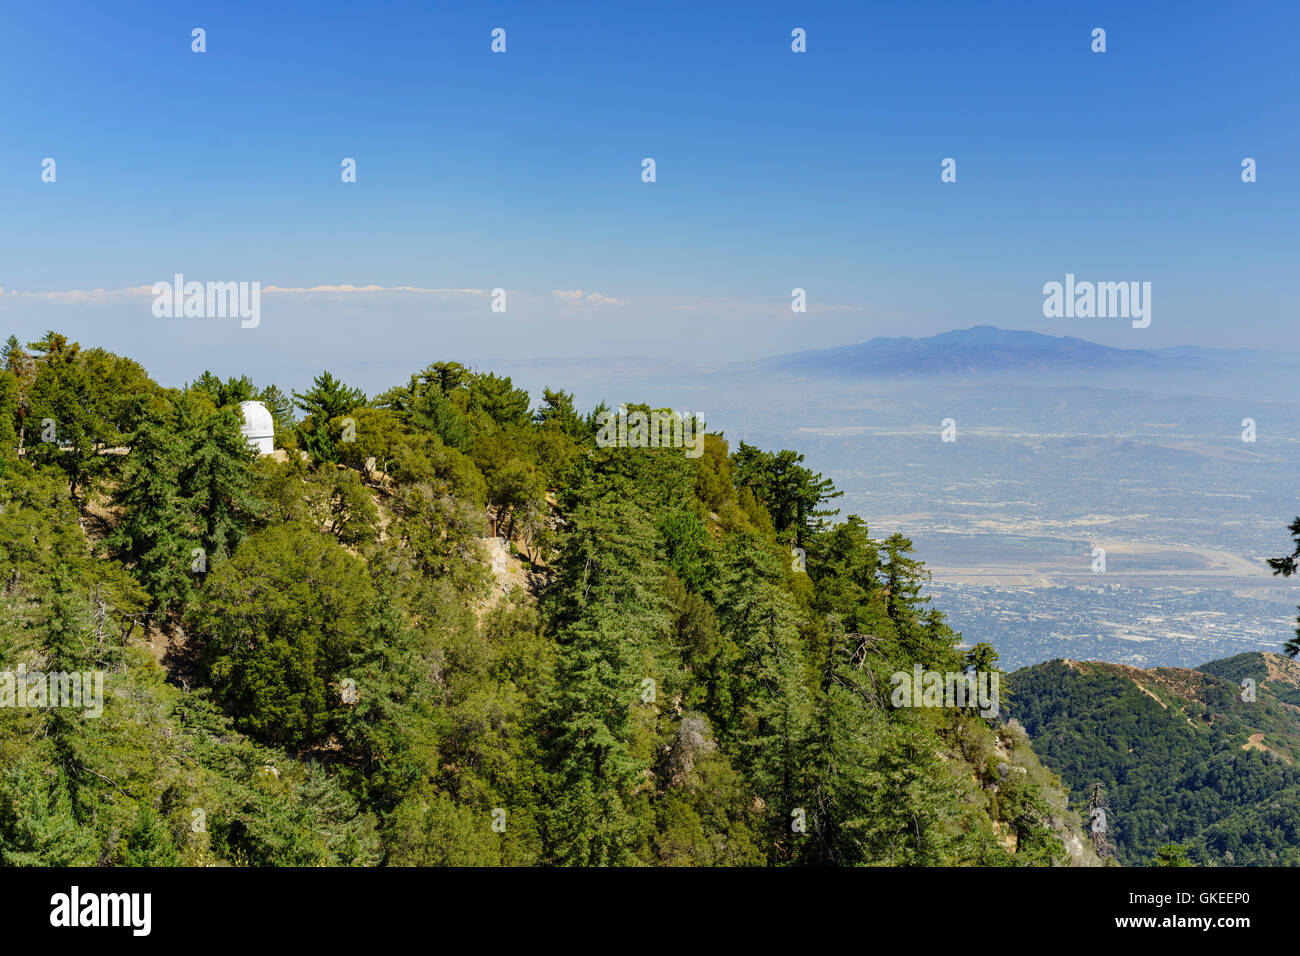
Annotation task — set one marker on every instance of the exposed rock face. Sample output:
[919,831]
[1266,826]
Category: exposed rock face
[694,738]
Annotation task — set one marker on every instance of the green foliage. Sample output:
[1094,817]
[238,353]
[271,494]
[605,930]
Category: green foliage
[278,622]
[1173,750]
[557,408]
[159,529]
[216,479]
[81,402]
[230,392]
[792,494]
[342,506]
[10,416]
[282,412]
[327,400]
[437,832]
[148,843]
[37,826]
[1286,566]
[378,434]
[497,398]
[1171,854]
[348,681]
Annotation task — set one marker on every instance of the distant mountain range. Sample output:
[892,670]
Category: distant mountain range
[986,349]
[982,355]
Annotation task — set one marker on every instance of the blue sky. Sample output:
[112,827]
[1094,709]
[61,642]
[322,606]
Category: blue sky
[775,170]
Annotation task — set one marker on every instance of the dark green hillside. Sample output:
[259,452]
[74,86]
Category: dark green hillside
[1182,757]
[1279,675]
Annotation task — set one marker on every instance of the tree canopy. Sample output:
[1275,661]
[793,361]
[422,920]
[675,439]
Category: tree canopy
[441,626]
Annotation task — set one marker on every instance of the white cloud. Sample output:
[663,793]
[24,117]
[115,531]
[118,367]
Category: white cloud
[576,296]
[84,296]
[371,288]
[79,296]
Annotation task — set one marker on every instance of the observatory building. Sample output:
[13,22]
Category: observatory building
[258,428]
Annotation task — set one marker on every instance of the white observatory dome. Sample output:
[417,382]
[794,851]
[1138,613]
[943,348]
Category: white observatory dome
[259,428]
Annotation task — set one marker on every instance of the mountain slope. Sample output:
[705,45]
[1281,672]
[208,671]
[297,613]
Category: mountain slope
[455,630]
[1182,757]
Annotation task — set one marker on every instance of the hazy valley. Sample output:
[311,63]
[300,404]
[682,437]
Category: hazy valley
[1149,466]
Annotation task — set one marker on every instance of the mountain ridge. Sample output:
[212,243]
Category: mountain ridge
[1207,757]
[990,349]
[981,348]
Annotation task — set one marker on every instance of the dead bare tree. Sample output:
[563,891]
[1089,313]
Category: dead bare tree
[1097,811]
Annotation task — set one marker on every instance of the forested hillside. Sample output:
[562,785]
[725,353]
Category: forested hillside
[1194,764]
[441,626]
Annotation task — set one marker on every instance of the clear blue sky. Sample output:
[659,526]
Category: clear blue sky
[775,169]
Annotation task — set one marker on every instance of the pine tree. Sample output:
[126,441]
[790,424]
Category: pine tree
[23,367]
[609,611]
[67,402]
[278,622]
[218,480]
[792,493]
[37,825]
[768,695]
[158,530]
[281,408]
[1286,566]
[557,407]
[838,753]
[230,392]
[148,843]
[10,409]
[904,577]
[497,397]
[326,400]
[66,649]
